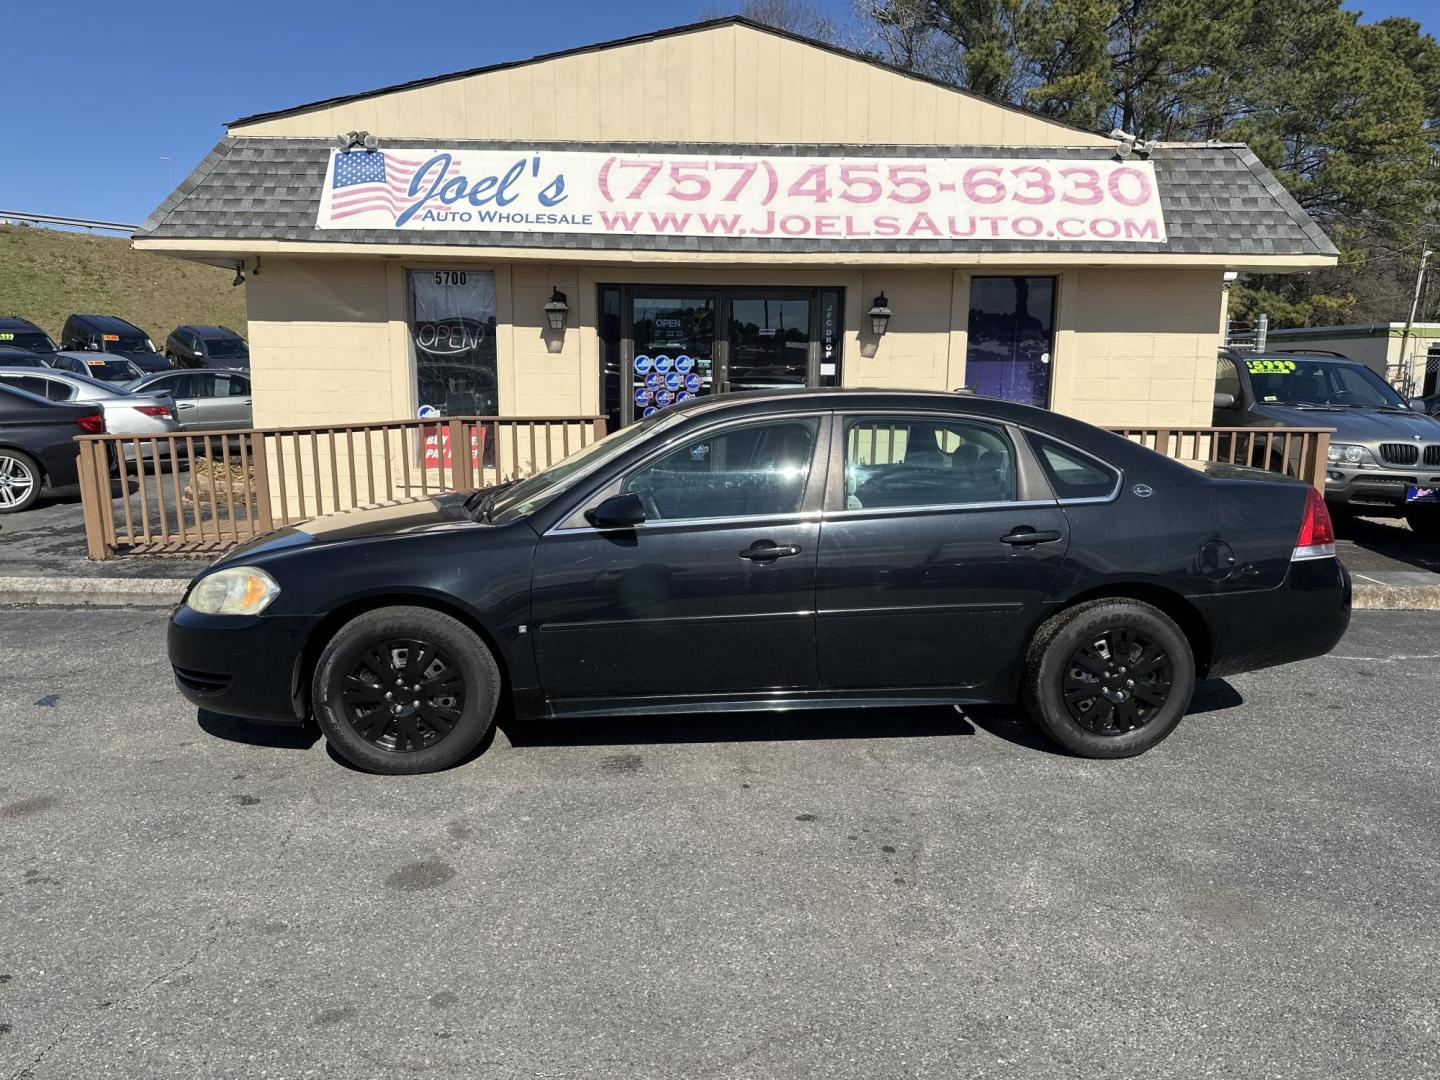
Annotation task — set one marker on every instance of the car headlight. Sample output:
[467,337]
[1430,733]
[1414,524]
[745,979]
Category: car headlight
[236,590]
[1347,452]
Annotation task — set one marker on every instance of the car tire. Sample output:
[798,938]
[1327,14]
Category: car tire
[409,650]
[20,481]
[1109,678]
[1424,523]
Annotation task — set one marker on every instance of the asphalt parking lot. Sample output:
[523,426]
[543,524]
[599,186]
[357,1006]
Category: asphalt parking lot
[842,895]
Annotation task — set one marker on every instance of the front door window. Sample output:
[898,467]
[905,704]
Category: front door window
[757,471]
[1011,339]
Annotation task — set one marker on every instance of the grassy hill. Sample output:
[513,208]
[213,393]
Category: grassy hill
[46,275]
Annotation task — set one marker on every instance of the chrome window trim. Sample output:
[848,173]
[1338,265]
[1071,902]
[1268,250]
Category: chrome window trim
[751,519]
[930,508]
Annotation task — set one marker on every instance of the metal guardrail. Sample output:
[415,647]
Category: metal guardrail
[201,493]
[79,223]
[1298,452]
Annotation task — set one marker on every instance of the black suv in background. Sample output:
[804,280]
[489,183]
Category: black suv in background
[112,334]
[1385,454]
[196,346]
[18,333]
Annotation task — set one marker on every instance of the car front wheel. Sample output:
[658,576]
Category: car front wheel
[405,690]
[19,481]
[1109,678]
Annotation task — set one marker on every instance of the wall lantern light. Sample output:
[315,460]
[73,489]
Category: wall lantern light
[556,309]
[880,315]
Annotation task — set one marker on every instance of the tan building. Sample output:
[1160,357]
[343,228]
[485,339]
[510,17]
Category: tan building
[715,207]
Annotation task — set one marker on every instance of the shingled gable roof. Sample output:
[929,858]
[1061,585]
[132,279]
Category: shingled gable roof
[637,39]
[1218,199]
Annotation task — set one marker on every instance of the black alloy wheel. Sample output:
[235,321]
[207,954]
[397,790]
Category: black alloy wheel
[405,690]
[1109,678]
[403,694]
[1117,682]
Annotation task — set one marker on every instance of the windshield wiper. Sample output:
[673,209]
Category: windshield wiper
[479,504]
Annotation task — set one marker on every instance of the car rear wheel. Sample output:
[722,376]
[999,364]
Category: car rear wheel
[1109,678]
[1424,523]
[405,690]
[19,481]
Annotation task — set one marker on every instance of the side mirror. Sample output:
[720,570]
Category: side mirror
[1418,404]
[1224,400]
[618,512]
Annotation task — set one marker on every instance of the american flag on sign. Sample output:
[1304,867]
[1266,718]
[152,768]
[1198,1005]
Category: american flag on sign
[370,180]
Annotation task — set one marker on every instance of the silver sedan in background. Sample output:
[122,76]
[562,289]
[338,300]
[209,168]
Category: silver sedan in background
[125,413]
[100,366]
[205,399]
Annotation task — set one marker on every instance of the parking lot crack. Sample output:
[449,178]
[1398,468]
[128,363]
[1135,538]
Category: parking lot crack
[28,1071]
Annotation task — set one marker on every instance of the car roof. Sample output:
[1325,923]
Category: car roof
[72,379]
[1289,354]
[16,322]
[107,322]
[15,350]
[205,330]
[91,354]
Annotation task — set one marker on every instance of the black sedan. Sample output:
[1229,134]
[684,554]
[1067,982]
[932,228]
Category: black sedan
[776,550]
[37,445]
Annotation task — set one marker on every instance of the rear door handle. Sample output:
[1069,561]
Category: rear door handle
[1025,536]
[185,405]
[766,551]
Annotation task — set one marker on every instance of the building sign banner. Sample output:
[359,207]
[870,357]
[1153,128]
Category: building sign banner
[999,198]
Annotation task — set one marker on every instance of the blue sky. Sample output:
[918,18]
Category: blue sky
[85,135]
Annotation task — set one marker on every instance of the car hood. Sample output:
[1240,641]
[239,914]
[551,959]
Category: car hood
[1360,425]
[400,518]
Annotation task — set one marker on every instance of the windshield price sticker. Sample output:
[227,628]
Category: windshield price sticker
[7,337]
[1270,367]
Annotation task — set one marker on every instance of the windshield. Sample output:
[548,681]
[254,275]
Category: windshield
[226,348]
[129,344]
[530,494]
[31,340]
[1322,383]
[112,370]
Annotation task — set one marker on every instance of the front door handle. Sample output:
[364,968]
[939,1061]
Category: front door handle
[767,551]
[1025,536]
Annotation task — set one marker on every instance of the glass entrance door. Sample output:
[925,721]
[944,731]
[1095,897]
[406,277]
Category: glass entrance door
[664,345]
[673,353]
[1012,338]
[769,343]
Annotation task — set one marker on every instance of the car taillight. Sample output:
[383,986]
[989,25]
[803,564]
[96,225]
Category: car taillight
[91,425]
[153,410]
[1317,531]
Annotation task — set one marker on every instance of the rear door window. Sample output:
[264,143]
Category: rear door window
[912,461]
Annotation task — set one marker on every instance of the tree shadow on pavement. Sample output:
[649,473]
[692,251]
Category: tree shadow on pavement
[235,729]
